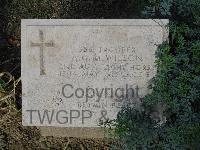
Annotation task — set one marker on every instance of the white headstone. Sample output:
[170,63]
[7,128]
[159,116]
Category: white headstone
[79,73]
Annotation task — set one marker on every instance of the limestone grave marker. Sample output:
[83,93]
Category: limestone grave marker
[80,73]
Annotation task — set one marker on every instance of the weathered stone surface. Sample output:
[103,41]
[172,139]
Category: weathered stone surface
[81,72]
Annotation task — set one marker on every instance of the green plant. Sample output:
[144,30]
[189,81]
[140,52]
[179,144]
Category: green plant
[177,84]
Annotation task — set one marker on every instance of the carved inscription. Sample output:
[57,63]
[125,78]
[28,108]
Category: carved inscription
[109,62]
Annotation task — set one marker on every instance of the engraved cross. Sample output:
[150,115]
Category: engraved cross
[42,45]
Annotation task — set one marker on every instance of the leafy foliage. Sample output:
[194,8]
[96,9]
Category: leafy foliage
[177,84]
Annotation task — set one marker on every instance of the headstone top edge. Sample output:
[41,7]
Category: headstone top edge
[94,22]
